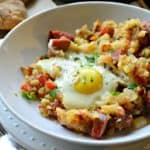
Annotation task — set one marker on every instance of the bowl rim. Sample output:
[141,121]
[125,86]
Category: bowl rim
[91,142]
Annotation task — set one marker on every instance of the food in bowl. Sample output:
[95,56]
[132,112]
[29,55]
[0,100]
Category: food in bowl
[96,82]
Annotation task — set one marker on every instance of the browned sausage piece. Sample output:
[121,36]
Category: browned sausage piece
[55,34]
[59,44]
[99,126]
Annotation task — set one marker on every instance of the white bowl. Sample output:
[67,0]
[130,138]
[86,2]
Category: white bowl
[29,39]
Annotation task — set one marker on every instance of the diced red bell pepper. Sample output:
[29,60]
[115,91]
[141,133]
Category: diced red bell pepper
[26,87]
[50,84]
[108,30]
[103,31]
[43,78]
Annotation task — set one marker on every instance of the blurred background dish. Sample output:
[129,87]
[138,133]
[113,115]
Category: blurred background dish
[30,8]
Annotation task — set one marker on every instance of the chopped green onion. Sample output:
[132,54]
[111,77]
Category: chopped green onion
[132,86]
[83,80]
[91,79]
[76,58]
[77,72]
[118,38]
[93,58]
[29,95]
[53,93]
[90,64]
[90,59]
[115,93]
[98,41]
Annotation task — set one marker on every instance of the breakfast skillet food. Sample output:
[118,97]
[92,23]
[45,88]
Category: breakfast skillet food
[96,82]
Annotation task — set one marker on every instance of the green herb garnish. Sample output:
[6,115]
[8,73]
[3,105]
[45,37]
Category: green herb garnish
[82,65]
[90,64]
[132,86]
[98,41]
[76,58]
[118,38]
[83,80]
[91,79]
[90,59]
[115,93]
[29,95]
[53,93]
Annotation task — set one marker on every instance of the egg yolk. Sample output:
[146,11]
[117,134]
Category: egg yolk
[88,81]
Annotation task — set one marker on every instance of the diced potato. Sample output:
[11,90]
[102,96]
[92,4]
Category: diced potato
[113,109]
[139,122]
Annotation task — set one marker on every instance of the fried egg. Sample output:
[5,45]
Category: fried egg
[81,86]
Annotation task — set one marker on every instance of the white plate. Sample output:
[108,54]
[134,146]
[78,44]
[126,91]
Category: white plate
[29,40]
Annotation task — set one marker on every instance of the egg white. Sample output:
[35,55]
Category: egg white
[71,98]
